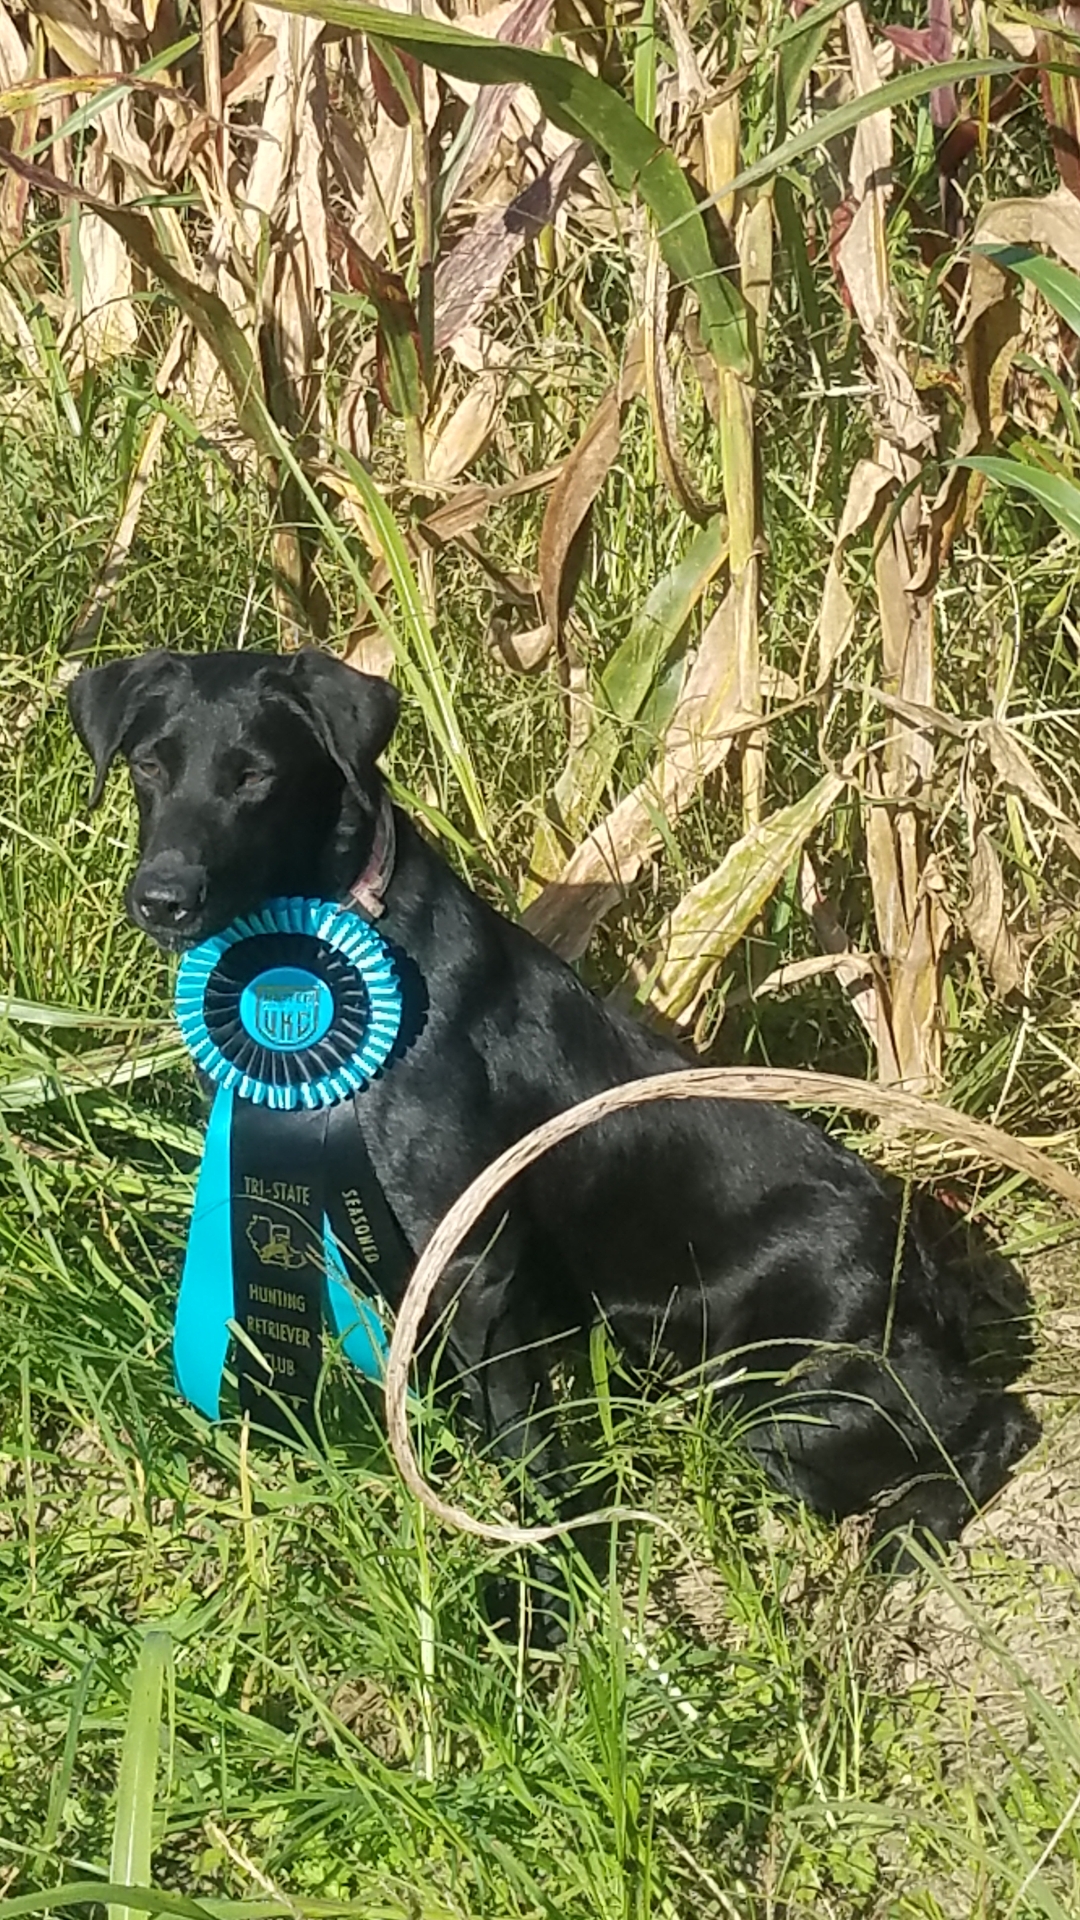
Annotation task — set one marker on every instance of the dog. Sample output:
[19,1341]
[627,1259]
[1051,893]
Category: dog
[739,1242]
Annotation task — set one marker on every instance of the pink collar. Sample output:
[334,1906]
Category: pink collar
[368,889]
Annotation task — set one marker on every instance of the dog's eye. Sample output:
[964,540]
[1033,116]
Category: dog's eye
[145,767]
[251,780]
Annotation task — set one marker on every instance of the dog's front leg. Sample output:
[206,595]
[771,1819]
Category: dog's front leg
[493,1351]
[489,1348]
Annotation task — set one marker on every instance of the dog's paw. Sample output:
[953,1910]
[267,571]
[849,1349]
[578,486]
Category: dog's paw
[914,1529]
[538,1607]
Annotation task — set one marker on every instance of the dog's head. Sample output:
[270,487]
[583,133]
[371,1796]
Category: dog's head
[250,772]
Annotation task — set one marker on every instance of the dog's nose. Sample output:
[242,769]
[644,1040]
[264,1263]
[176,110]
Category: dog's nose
[166,896]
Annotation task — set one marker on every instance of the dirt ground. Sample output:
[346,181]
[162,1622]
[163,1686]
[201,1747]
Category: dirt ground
[1009,1608]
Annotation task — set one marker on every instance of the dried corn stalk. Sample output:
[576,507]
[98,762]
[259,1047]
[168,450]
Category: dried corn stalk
[907,899]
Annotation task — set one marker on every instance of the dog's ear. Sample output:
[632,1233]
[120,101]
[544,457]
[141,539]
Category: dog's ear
[103,702]
[354,714]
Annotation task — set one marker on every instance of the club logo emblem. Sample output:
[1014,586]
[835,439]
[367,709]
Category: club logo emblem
[271,1241]
[286,1016]
[286,1009]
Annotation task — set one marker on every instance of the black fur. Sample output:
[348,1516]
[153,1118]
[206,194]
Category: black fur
[702,1229]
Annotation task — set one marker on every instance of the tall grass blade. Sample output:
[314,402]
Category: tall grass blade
[133,1824]
[419,659]
[841,120]
[121,1897]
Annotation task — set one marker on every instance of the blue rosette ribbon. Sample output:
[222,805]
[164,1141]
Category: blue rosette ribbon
[290,1013]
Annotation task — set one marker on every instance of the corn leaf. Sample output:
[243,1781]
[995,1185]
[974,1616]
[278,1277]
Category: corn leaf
[711,917]
[1057,284]
[631,672]
[799,46]
[1060,497]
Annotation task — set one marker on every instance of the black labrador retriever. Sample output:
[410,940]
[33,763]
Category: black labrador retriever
[724,1236]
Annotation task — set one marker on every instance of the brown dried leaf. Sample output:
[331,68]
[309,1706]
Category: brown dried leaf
[984,917]
[992,333]
[660,388]
[465,430]
[15,193]
[523,24]
[795,973]
[916,996]
[125,21]
[581,477]
[890,912]
[477,351]
[370,650]
[468,279]
[286,186]
[720,135]
[295,43]
[907,662]
[871,152]
[863,256]
[376,174]
[690,83]
[105,324]
[836,619]
[184,143]
[909,918]
[990,343]
[73,34]
[520,652]
[928,719]
[738,443]
[859,976]
[250,71]
[1014,769]
[756,259]
[470,505]
[385,89]
[706,720]
[14,54]
[1052,221]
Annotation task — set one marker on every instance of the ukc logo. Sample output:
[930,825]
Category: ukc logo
[286,1016]
[286,1009]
